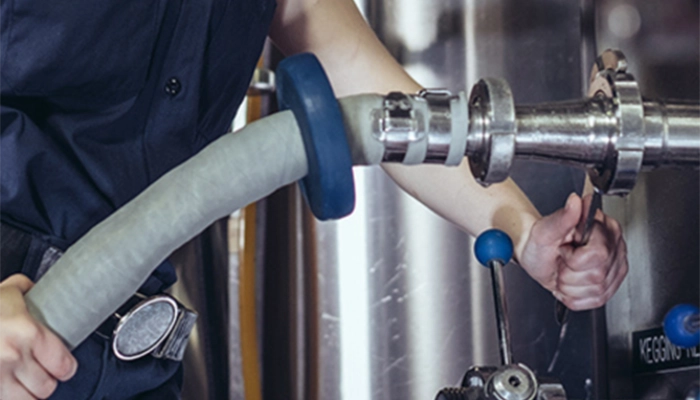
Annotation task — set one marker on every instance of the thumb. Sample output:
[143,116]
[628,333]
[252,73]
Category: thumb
[556,227]
[19,281]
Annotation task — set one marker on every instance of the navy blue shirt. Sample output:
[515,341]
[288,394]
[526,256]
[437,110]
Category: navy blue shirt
[100,98]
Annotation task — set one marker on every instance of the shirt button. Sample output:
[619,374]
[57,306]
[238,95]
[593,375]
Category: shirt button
[173,86]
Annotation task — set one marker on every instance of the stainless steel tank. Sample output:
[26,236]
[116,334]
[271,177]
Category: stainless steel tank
[389,303]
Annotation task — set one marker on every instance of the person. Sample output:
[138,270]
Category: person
[99,99]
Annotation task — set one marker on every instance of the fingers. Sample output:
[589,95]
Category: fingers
[602,245]
[588,303]
[53,355]
[590,275]
[10,388]
[581,276]
[35,379]
[590,286]
[32,358]
[13,390]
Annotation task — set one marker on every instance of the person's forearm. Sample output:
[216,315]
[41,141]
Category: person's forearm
[453,193]
[356,62]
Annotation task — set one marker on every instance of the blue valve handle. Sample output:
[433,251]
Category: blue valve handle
[682,325]
[493,245]
[494,249]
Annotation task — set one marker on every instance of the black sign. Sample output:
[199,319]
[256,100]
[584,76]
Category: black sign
[652,351]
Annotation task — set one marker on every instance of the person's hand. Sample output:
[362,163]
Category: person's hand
[32,358]
[581,277]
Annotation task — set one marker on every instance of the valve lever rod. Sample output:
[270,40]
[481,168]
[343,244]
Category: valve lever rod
[494,249]
[499,299]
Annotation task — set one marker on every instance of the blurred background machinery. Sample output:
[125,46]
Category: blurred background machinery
[390,303]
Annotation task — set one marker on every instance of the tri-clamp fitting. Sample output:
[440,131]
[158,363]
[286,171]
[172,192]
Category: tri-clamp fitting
[613,134]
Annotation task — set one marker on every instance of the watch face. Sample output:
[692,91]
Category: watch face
[144,328]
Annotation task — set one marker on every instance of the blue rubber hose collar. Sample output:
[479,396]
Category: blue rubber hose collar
[303,88]
[493,245]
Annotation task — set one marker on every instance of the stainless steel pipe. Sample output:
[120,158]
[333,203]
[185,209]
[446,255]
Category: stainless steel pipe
[583,133]
[613,134]
[673,134]
[572,132]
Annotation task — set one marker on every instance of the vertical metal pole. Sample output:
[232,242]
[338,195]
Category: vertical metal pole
[499,300]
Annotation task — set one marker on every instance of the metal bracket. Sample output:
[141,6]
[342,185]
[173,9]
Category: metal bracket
[398,126]
[262,82]
[439,125]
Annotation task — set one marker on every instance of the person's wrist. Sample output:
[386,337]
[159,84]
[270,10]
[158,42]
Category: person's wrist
[521,237]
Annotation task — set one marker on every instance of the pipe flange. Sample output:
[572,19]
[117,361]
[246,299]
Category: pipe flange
[609,79]
[492,121]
